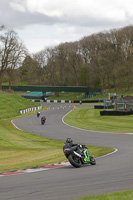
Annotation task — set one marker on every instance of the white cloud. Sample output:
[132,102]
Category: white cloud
[69,9]
[17,6]
[49,22]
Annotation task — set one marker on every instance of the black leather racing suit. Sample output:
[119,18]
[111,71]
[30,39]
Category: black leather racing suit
[70,144]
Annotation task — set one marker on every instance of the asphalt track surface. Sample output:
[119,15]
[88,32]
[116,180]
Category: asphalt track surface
[110,174]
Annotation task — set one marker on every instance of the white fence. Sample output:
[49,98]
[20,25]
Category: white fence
[30,109]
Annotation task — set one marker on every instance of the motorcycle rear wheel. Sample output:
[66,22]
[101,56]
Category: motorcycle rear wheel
[42,123]
[74,160]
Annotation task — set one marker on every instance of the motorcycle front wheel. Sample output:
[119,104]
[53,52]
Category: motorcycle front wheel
[92,161]
[74,160]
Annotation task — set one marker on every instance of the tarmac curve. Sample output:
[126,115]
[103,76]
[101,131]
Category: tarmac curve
[110,174]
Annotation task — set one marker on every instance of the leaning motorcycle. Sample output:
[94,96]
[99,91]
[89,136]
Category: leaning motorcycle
[78,159]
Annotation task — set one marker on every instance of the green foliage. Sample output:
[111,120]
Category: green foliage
[94,61]
[83,76]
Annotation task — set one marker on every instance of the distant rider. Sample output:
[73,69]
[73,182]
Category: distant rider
[38,113]
[43,118]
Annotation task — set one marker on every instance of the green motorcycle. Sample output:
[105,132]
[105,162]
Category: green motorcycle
[79,155]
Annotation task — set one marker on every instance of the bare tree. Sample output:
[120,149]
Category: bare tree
[46,61]
[96,60]
[12,53]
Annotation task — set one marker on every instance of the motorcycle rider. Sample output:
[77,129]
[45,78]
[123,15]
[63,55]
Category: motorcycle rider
[69,143]
[38,113]
[77,154]
[43,118]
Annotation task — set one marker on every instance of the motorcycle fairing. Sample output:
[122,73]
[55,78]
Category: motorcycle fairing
[87,155]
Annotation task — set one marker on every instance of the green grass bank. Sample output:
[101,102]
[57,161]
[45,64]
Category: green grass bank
[125,195]
[90,119]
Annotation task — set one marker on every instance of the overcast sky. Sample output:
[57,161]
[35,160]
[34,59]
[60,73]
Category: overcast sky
[44,23]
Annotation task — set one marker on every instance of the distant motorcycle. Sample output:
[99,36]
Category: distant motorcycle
[78,159]
[38,114]
[43,120]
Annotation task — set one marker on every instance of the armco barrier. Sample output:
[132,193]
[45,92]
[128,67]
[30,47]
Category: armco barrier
[30,109]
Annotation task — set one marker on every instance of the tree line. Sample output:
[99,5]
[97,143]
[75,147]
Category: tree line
[101,60]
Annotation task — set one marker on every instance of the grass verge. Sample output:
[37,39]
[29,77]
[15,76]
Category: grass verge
[126,195]
[90,119]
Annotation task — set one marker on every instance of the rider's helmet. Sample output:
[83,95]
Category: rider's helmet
[69,140]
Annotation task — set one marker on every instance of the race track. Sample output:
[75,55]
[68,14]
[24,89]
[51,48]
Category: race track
[110,174]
